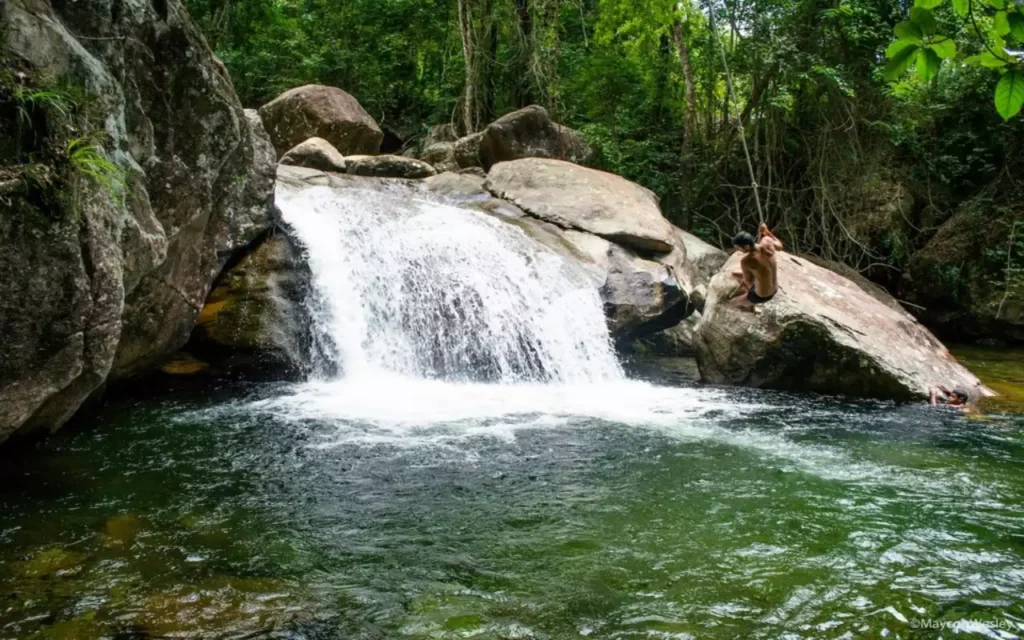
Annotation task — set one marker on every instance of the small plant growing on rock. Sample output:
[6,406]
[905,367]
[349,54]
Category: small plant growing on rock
[88,159]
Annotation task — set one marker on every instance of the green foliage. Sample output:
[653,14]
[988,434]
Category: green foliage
[993,28]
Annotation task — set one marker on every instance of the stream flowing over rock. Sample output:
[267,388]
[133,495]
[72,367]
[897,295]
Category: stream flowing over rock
[821,333]
[640,294]
[111,292]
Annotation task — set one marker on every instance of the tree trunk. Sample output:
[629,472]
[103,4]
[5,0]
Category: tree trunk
[690,85]
[487,54]
[524,90]
[469,96]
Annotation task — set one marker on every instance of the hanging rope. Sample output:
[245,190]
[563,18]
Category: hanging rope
[730,98]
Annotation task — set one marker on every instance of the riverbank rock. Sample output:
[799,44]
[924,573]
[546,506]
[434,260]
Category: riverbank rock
[315,153]
[574,197]
[821,333]
[323,112]
[388,167]
[107,285]
[256,318]
[530,133]
[441,156]
[467,151]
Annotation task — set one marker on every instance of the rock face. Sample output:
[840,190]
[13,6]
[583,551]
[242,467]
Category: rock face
[323,112]
[960,276]
[530,133]
[109,291]
[256,318]
[315,153]
[574,197]
[641,296]
[821,333]
[388,167]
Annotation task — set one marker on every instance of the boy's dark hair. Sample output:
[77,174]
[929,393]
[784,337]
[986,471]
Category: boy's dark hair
[963,395]
[743,240]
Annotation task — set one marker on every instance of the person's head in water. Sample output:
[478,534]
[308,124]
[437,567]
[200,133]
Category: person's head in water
[958,398]
[744,241]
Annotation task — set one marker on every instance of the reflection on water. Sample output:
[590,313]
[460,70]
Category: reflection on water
[411,509]
[1000,369]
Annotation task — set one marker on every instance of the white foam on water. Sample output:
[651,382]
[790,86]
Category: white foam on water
[427,290]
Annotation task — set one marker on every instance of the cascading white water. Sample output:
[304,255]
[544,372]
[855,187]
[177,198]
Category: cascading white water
[407,286]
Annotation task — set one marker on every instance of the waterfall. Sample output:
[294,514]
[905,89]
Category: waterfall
[404,285]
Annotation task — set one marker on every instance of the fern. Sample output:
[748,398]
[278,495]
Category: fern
[88,159]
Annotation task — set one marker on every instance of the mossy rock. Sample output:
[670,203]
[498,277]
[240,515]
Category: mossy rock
[48,563]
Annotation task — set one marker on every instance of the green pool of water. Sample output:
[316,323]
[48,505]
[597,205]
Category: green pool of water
[296,512]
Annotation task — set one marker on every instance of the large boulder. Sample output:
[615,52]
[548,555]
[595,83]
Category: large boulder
[388,167]
[324,112]
[530,133]
[574,197]
[315,153]
[821,333]
[107,283]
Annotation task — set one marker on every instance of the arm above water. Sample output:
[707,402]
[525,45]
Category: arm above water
[773,244]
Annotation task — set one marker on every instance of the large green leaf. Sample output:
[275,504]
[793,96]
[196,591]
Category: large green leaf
[899,63]
[1017,26]
[928,4]
[1010,94]
[924,19]
[962,7]
[1001,23]
[908,30]
[945,48]
[895,48]
[927,64]
[986,60]
[998,4]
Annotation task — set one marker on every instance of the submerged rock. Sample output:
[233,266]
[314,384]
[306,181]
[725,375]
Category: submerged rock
[574,197]
[315,153]
[821,333]
[324,112]
[530,133]
[388,167]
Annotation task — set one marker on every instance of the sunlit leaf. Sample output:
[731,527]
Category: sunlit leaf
[928,4]
[962,7]
[945,49]
[927,64]
[1001,23]
[907,30]
[1010,94]
[924,19]
[899,63]
[998,4]
[986,60]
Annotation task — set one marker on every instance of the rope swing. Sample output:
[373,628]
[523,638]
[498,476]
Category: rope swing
[730,98]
